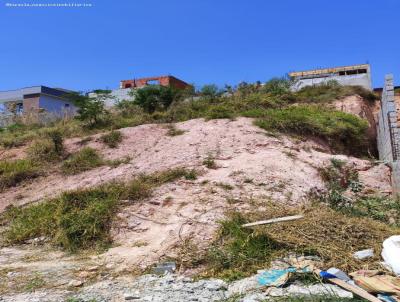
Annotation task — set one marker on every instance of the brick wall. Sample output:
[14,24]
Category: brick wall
[163,81]
[31,104]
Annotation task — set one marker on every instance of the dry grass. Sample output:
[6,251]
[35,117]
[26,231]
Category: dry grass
[331,235]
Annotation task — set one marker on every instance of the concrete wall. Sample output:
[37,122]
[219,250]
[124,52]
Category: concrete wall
[363,80]
[115,96]
[56,106]
[388,133]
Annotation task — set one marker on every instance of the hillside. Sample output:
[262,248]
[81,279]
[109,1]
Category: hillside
[168,187]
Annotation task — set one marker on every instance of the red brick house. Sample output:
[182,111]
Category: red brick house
[161,80]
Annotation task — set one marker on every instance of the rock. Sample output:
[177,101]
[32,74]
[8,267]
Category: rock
[215,284]
[315,289]
[93,268]
[258,297]
[75,283]
[132,296]
[243,286]
[84,274]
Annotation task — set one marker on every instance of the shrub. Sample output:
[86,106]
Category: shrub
[15,172]
[155,97]
[210,91]
[239,250]
[86,159]
[209,162]
[343,131]
[91,110]
[277,86]
[47,149]
[112,139]
[57,138]
[42,150]
[331,91]
[173,131]
[219,112]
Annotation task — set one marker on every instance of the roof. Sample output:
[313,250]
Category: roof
[18,94]
[327,70]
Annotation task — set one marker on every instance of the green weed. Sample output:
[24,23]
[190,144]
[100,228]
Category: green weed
[112,139]
[14,172]
[82,218]
[86,159]
[343,131]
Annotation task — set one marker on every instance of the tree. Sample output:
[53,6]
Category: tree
[90,109]
[155,97]
[210,91]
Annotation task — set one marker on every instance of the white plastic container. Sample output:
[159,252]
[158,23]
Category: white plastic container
[391,253]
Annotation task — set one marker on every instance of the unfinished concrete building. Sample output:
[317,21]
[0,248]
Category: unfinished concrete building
[126,86]
[161,80]
[353,75]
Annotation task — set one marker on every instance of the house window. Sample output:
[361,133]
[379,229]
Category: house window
[66,105]
[153,82]
[128,85]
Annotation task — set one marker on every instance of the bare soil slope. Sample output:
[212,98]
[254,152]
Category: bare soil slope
[250,166]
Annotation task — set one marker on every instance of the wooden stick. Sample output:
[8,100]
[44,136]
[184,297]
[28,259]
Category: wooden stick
[281,219]
[355,290]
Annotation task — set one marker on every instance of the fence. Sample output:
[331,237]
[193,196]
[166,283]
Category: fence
[42,118]
[388,133]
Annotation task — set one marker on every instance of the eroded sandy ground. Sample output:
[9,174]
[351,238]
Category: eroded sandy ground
[251,167]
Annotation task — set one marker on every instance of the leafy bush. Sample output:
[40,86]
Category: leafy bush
[155,97]
[86,159]
[14,172]
[91,110]
[112,139]
[210,91]
[343,131]
[339,178]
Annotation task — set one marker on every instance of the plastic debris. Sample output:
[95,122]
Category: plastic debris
[386,298]
[391,252]
[339,274]
[364,254]
[275,277]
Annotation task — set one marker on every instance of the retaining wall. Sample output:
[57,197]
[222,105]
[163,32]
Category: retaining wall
[388,133]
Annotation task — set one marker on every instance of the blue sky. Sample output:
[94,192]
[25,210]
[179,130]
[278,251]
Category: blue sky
[203,41]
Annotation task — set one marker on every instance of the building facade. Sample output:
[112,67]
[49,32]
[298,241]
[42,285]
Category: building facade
[161,80]
[125,88]
[37,99]
[354,75]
